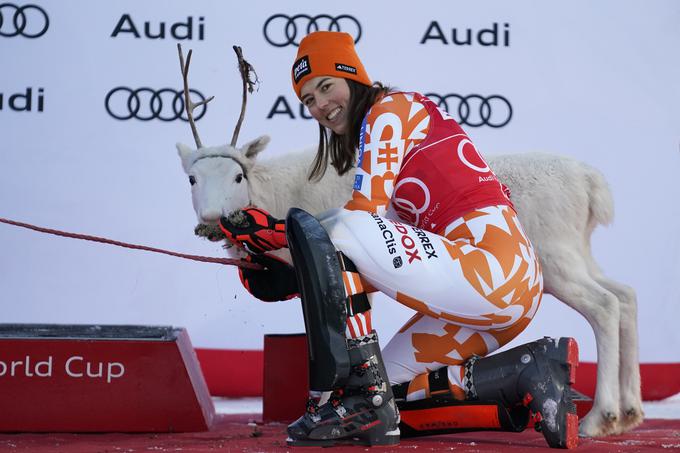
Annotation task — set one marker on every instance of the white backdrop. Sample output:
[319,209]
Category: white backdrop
[595,80]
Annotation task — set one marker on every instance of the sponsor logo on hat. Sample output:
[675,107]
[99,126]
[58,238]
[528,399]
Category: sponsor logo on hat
[301,68]
[345,68]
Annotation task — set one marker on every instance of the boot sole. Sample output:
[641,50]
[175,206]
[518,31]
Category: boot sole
[377,441]
[568,357]
[571,440]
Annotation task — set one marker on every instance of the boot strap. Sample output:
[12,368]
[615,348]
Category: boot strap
[353,343]
[468,381]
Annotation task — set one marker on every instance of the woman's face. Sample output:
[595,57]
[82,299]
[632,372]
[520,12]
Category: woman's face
[327,99]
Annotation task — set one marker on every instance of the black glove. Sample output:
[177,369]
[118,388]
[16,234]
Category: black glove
[276,282]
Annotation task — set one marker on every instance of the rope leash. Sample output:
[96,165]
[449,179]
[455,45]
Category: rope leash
[204,259]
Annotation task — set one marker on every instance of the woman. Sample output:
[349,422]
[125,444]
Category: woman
[429,225]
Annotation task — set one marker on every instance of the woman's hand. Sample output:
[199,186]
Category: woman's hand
[277,281]
[255,230]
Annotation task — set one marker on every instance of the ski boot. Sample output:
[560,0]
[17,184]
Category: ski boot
[363,412]
[536,375]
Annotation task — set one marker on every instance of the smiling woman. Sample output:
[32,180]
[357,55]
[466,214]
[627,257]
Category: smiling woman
[428,219]
[338,105]
[338,92]
[327,99]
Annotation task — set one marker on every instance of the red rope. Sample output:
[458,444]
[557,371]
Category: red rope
[204,259]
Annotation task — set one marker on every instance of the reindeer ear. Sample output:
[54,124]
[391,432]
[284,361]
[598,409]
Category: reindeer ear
[251,149]
[186,153]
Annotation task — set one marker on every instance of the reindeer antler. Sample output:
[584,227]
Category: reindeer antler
[188,105]
[245,69]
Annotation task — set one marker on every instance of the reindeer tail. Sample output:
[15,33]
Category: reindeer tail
[601,201]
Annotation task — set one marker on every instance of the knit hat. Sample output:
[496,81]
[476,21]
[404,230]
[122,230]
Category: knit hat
[327,53]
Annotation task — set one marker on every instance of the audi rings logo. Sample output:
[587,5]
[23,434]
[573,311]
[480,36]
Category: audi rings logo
[407,209]
[281,30]
[475,110]
[166,104]
[29,21]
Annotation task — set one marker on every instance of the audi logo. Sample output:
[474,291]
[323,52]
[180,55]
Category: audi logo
[281,30]
[146,104]
[475,110]
[29,21]
[406,209]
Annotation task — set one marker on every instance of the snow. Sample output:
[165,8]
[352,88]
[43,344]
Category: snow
[666,409]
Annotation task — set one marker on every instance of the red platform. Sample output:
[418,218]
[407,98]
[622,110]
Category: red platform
[233,434]
[286,377]
[57,378]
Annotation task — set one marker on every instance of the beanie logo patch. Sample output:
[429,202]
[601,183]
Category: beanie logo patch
[301,68]
[345,68]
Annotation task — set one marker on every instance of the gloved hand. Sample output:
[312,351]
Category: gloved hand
[276,282]
[255,229]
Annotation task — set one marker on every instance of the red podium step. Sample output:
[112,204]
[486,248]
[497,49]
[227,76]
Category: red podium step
[76,378]
[286,377]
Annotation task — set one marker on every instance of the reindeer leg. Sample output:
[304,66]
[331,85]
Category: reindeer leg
[567,279]
[629,365]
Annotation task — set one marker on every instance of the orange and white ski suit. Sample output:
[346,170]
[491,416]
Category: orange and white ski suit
[430,225]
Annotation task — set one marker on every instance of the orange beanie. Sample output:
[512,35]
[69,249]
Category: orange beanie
[327,53]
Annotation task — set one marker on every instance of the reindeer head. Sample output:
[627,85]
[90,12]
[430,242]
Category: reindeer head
[218,175]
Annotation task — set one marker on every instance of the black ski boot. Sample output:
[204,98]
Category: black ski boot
[361,413]
[537,375]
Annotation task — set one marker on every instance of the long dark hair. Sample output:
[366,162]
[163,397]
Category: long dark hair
[341,149]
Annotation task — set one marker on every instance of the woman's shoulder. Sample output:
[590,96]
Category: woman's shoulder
[397,101]
[400,97]
[403,111]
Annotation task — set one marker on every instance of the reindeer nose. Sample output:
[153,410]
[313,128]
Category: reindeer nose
[209,216]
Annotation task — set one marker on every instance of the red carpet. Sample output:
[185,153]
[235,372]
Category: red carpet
[232,433]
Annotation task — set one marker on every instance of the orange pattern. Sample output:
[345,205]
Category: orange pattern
[503,270]
[433,348]
[394,126]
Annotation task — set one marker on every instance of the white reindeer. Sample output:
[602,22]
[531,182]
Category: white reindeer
[559,201]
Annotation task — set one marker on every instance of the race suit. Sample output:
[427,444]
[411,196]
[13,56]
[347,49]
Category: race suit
[430,225]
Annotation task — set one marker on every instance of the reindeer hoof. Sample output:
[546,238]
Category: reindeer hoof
[610,417]
[598,423]
[632,418]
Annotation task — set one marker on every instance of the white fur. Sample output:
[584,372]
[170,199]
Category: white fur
[559,201]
